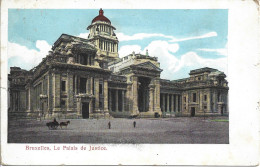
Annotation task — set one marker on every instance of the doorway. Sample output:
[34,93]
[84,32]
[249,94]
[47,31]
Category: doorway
[192,111]
[143,94]
[85,110]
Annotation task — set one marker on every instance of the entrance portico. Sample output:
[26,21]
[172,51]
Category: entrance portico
[145,89]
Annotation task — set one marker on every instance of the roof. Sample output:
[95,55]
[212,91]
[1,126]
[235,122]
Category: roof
[70,38]
[101,17]
[202,70]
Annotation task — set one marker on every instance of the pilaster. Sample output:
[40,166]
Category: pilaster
[116,100]
[105,96]
[176,102]
[123,100]
[135,94]
[97,95]
[168,101]
[157,107]
[151,99]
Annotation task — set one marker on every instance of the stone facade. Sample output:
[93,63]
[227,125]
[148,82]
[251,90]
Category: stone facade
[85,78]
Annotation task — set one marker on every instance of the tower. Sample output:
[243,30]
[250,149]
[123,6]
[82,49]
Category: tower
[102,34]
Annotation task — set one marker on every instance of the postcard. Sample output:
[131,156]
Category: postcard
[129,83]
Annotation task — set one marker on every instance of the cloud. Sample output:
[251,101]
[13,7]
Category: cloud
[220,51]
[162,49]
[27,58]
[173,67]
[193,60]
[128,49]
[207,35]
[83,35]
[140,36]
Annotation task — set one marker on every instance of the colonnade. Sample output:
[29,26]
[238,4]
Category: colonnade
[108,46]
[117,100]
[170,102]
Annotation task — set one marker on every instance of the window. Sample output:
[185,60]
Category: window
[100,89]
[218,97]
[100,104]
[194,97]
[205,97]
[63,102]
[83,82]
[184,99]
[199,78]
[93,86]
[63,85]
[205,107]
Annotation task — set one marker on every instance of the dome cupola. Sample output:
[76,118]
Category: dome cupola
[101,17]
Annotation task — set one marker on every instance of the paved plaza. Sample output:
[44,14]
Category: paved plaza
[179,130]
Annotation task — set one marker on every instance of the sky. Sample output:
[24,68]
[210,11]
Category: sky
[182,40]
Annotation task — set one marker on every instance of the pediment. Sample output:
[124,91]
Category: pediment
[147,66]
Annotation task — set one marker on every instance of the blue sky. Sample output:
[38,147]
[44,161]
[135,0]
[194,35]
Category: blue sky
[181,39]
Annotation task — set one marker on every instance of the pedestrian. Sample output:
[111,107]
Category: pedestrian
[54,120]
[109,125]
[134,124]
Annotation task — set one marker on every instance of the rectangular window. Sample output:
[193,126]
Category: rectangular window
[205,97]
[100,104]
[194,97]
[93,85]
[185,99]
[100,89]
[63,102]
[205,107]
[83,82]
[63,85]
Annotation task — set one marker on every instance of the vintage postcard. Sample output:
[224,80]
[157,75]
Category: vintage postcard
[129,83]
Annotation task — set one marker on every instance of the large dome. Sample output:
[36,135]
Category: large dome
[101,17]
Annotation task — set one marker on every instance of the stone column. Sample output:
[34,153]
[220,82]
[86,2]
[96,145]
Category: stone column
[172,102]
[97,95]
[110,99]
[79,107]
[181,107]
[208,101]
[69,90]
[123,100]
[49,92]
[168,101]
[116,100]
[176,103]
[91,106]
[105,90]
[214,101]
[91,86]
[163,103]
[157,107]
[75,86]
[151,99]
[56,90]
[201,100]
[88,91]
[135,94]
[128,97]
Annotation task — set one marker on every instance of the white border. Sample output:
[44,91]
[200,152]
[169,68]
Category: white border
[244,83]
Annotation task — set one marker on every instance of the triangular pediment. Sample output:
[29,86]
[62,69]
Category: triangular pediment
[147,66]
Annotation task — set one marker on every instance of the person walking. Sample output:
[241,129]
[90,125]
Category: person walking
[109,125]
[134,124]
